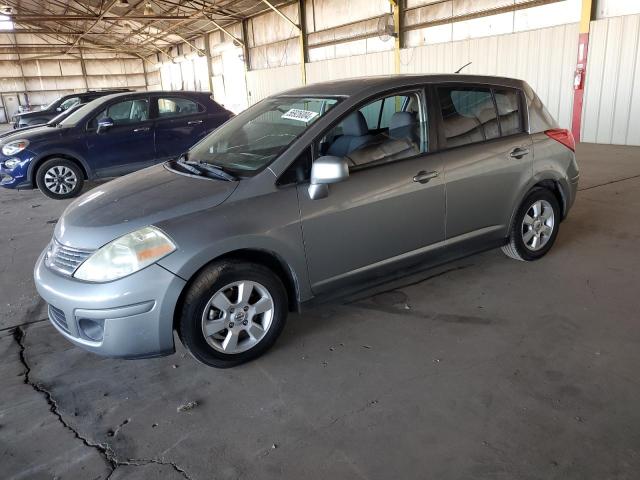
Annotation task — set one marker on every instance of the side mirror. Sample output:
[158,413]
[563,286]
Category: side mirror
[326,170]
[59,109]
[104,124]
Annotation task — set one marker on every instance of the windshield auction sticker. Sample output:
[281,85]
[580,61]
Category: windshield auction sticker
[300,115]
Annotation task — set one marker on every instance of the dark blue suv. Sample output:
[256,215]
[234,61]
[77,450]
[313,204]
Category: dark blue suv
[111,136]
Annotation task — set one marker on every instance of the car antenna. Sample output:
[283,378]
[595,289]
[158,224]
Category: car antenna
[464,66]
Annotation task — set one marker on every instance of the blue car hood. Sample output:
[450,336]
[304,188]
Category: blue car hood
[17,133]
[134,201]
[33,134]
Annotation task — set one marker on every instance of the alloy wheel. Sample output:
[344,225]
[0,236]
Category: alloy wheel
[60,179]
[237,317]
[537,225]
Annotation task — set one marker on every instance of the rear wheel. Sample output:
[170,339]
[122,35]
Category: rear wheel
[535,227]
[232,313]
[60,178]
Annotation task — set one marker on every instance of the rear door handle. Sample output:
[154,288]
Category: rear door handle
[141,129]
[518,152]
[194,122]
[424,177]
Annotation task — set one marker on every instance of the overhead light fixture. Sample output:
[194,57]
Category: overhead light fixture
[148,10]
[123,3]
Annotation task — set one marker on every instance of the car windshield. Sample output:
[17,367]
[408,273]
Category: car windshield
[61,116]
[77,115]
[253,139]
[70,102]
[50,105]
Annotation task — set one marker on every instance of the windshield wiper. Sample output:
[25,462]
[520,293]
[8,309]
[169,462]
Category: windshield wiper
[216,170]
[198,167]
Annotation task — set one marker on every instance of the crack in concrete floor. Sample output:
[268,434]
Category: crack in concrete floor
[104,449]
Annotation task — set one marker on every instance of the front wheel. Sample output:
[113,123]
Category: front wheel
[60,178]
[232,313]
[535,226]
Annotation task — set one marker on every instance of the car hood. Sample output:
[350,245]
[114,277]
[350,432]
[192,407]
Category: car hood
[33,134]
[17,132]
[32,113]
[134,201]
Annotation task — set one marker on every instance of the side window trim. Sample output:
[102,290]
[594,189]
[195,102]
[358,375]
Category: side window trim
[380,113]
[201,108]
[521,108]
[492,90]
[439,121]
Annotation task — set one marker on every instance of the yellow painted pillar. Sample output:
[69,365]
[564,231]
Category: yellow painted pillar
[395,6]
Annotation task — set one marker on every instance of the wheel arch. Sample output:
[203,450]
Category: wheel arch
[556,188]
[266,258]
[549,182]
[35,165]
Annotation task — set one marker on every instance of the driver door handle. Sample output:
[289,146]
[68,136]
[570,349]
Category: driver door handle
[141,129]
[424,177]
[194,122]
[518,152]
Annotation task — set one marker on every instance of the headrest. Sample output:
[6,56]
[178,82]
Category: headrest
[402,125]
[355,125]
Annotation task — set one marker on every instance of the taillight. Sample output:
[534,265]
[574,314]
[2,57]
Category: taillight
[564,136]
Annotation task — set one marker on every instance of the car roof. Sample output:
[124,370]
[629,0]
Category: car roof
[352,86]
[106,98]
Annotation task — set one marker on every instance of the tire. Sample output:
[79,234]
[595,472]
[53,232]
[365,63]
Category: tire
[213,302]
[60,178]
[535,226]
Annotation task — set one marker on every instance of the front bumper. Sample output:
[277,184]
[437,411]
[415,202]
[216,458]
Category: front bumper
[127,318]
[18,176]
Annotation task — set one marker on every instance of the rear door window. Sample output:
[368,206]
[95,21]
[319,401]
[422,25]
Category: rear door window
[468,115]
[508,103]
[177,106]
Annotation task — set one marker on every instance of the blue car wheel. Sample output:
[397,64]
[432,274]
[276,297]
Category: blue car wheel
[59,178]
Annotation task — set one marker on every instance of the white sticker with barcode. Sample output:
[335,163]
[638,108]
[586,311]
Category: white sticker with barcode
[300,115]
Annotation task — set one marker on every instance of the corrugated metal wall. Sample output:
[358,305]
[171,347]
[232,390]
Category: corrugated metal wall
[380,63]
[44,80]
[262,83]
[611,110]
[545,58]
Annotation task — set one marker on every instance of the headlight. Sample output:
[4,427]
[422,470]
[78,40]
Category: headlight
[11,163]
[126,255]
[14,147]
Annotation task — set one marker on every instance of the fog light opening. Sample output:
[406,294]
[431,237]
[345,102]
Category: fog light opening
[92,329]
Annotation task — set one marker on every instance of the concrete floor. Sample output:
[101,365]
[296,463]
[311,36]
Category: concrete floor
[486,369]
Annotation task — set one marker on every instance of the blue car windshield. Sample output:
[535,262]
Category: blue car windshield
[253,139]
[77,115]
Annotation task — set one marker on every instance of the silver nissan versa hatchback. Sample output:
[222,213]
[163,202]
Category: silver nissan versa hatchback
[314,190]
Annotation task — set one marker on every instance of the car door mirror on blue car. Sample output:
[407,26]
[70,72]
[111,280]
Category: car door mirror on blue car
[326,170]
[104,124]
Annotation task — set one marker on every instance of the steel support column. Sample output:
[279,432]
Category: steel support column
[301,33]
[302,39]
[245,45]
[581,66]
[83,67]
[397,31]
[207,50]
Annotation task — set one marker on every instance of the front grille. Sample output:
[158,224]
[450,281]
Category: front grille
[58,317]
[65,259]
